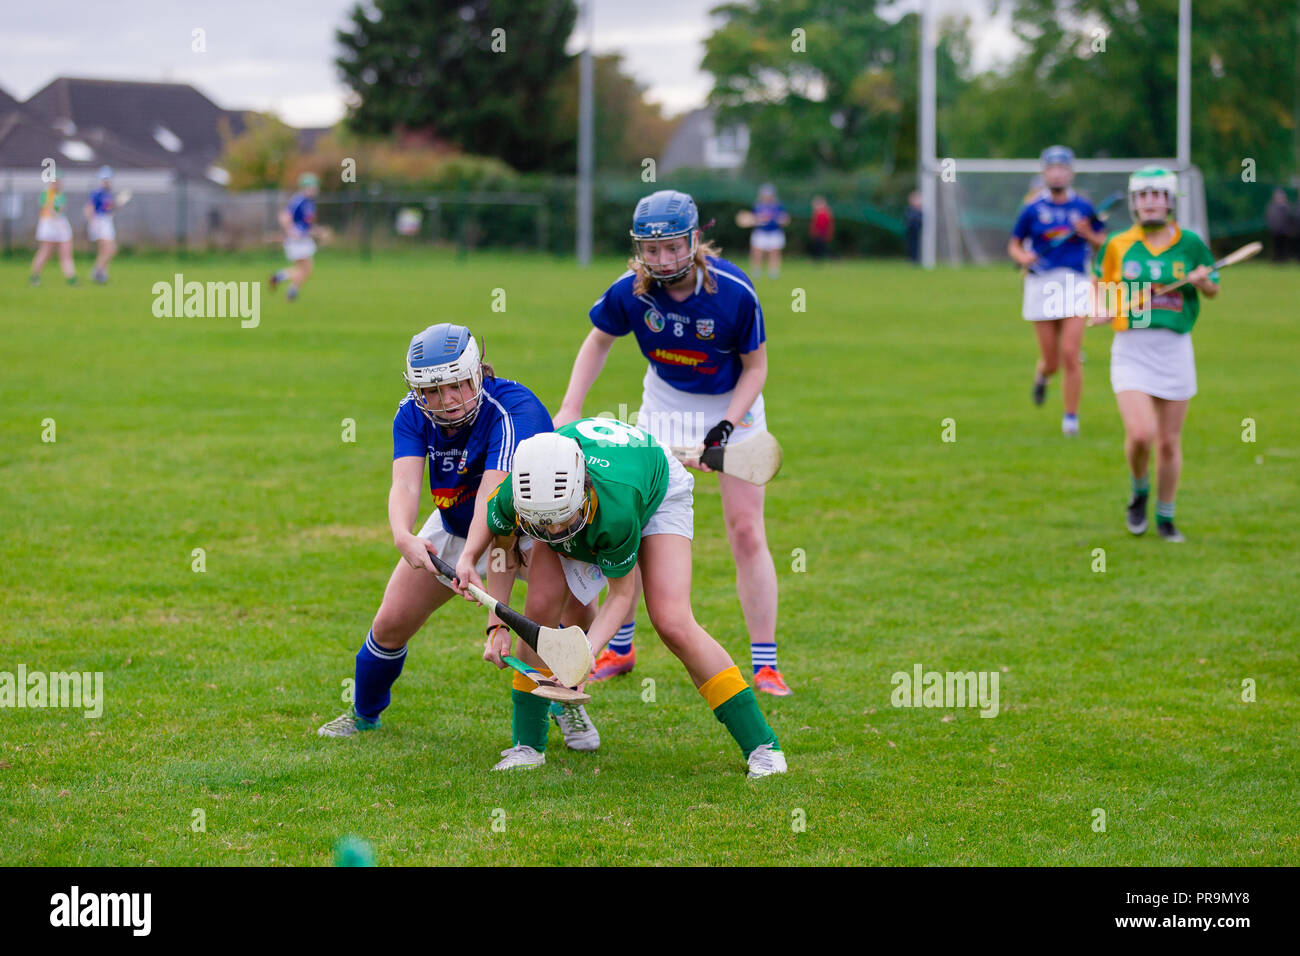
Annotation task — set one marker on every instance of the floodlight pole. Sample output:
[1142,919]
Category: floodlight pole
[927,162]
[1184,85]
[585,140]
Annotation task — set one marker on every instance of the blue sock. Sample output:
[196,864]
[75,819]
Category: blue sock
[621,643]
[762,655]
[282,275]
[377,670]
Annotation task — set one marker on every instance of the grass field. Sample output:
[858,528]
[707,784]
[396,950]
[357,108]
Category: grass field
[1119,690]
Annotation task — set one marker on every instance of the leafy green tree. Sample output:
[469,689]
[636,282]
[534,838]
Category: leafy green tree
[1102,76]
[824,84]
[262,155]
[481,74]
[627,127]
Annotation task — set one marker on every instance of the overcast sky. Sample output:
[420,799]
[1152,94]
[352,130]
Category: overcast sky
[279,56]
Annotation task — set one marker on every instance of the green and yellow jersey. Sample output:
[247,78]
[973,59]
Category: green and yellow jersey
[52,201]
[629,478]
[1125,261]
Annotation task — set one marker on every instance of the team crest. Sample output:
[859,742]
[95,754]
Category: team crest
[748,420]
[1132,269]
[1044,215]
[654,320]
[704,328]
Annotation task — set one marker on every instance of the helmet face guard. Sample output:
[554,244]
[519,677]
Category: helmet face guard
[679,267]
[666,216]
[538,525]
[465,365]
[1152,179]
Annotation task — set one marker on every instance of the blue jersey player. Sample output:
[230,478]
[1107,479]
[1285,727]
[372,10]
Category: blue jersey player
[768,237]
[298,220]
[1051,240]
[465,423]
[100,207]
[697,320]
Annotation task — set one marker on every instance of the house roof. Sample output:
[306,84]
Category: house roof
[686,146]
[7,104]
[26,142]
[172,124]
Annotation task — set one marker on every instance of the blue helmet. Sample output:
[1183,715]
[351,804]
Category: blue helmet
[1057,156]
[445,354]
[667,214]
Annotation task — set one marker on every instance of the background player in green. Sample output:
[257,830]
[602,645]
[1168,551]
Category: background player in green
[606,496]
[1152,367]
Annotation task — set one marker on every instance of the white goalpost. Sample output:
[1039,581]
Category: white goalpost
[968,206]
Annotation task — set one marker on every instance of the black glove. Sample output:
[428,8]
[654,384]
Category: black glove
[718,434]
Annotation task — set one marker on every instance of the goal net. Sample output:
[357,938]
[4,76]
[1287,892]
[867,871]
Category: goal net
[976,206]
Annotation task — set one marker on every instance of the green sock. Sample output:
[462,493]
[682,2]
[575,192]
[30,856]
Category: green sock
[1141,486]
[744,721]
[1164,512]
[529,724]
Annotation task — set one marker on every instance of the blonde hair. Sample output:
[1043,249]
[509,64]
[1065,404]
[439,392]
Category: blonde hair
[707,247]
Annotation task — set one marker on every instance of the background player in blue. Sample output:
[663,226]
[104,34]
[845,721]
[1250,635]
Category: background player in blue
[1060,226]
[697,319]
[768,237]
[99,229]
[465,422]
[298,220]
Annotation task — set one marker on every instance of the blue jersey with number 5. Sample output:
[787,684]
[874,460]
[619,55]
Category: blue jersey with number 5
[508,414]
[694,346]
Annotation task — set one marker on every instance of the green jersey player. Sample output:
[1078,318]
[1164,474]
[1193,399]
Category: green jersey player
[1152,366]
[607,498]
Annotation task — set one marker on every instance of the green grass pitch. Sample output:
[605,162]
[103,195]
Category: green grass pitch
[1120,691]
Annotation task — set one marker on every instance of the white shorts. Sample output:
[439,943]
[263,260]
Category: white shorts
[767,240]
[577,574]
[1158,362]
[674,417]
[54,229]
[303,247]
[675,515]
[101,227]
[1056,294]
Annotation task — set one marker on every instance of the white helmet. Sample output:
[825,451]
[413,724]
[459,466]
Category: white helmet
[444,354]
[1154,178]
[549,485]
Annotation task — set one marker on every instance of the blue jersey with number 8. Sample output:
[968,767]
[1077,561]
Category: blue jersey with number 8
[694,346]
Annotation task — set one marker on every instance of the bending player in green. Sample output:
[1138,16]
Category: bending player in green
[607,497]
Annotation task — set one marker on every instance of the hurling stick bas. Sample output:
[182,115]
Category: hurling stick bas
[547,687]
[756,460]
[565,652]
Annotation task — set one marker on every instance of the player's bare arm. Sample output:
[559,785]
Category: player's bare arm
[501,576]
[1200,277]
[404,508]
[617,604]
[586,369]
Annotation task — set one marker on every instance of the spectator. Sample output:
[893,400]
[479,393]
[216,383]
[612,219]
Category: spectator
[1281,222]
[913,226]
[822,228]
